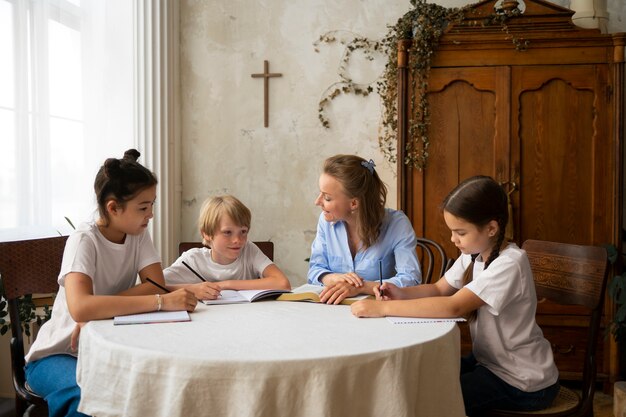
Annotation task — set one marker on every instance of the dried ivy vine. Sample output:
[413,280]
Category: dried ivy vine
[423,24]
[347,85]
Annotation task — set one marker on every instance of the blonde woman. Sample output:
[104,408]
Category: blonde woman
[359,241]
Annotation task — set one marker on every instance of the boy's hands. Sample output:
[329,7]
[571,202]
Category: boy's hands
[205,290]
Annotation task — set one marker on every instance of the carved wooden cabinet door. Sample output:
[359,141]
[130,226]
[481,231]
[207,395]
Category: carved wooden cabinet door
[468,136]
[564,154]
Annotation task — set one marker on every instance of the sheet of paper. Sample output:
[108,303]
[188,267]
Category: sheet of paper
[414,320]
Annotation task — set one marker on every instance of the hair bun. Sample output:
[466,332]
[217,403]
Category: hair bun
[131,155]
[112,167]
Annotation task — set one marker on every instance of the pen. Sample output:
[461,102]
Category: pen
[192,270]
[380,277]
[156,284]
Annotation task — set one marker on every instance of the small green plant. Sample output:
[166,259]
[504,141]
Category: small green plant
[27,311]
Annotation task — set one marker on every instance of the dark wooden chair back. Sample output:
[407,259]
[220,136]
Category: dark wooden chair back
[28,267]
[433,259]
[266,247]
[574,275]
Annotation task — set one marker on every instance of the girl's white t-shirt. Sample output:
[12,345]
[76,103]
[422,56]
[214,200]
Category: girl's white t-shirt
[112,268]
[505,335]
[249,265]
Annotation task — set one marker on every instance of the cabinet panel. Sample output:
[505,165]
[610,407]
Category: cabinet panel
[559,139]
[463,142]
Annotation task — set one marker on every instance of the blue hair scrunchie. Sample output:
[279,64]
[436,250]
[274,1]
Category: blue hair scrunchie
[369,165]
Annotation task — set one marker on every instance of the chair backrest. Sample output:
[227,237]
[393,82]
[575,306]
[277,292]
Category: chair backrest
[266,247]
[432,255]
[573,274]
[27,267]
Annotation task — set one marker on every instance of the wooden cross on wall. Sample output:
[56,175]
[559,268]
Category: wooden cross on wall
[266,87]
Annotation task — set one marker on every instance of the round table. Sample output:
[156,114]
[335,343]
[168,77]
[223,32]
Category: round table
[270,358]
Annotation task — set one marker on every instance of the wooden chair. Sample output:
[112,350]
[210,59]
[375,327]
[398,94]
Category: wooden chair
[577,275]
[428,260]
[28,267]
[266,247]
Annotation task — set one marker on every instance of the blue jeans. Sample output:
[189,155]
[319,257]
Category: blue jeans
[54,378]
[482,390]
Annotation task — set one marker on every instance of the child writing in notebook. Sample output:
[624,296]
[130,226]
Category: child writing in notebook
[230,261]
[97,280]
[511,366]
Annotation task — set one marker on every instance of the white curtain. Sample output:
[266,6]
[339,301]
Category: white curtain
[79,80]
[66,104]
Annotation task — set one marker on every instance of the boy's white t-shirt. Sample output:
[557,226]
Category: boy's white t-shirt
[505,335]
[249,265]
[112,268]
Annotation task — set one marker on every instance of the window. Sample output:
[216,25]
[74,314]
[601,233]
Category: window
[66,104]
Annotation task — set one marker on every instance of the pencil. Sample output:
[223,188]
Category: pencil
[380,276]
[192,270]
[156,284]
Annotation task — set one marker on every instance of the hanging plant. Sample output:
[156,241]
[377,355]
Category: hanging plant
[424,24]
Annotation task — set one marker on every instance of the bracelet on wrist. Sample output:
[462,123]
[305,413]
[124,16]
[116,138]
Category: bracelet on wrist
[159,302]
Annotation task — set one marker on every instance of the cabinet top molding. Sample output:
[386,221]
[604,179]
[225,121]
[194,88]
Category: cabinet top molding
[544,26]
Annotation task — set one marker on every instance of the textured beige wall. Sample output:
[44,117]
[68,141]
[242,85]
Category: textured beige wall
[274,170]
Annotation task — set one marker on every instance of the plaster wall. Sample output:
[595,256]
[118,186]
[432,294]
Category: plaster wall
[274,170]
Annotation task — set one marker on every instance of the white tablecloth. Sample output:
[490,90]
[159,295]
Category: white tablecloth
[270,358]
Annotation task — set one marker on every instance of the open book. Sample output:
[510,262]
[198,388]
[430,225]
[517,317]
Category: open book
[311,293]
[244,296]
[154,317]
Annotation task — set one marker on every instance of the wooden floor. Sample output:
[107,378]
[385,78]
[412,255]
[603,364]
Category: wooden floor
[602,405]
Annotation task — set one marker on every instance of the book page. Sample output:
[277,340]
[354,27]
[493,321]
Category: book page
[308,288]
[153,317]
[227,297]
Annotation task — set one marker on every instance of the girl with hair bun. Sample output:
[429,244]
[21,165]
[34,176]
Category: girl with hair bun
[511,366]
[100,265]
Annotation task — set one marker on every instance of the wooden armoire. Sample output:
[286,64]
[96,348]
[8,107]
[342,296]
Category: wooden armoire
[546,121]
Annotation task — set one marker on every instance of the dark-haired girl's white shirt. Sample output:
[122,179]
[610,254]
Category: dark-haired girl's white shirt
[505,335]
[112,267]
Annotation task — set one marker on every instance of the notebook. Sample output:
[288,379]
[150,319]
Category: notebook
[153,317]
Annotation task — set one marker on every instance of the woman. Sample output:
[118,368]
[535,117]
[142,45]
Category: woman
[359,242]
